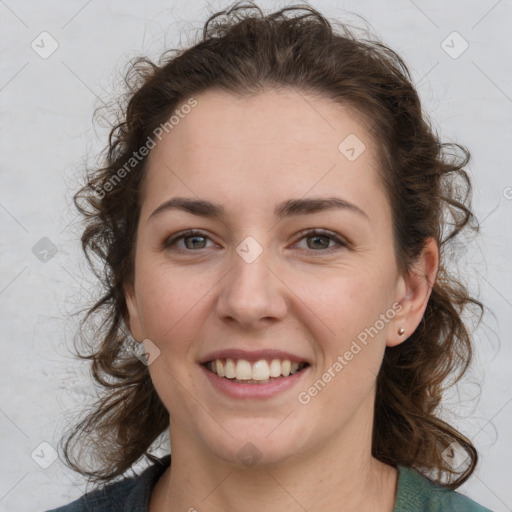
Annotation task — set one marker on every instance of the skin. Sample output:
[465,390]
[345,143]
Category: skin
[249,155]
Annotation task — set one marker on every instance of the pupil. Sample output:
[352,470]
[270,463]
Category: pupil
[319,237]
[194,238]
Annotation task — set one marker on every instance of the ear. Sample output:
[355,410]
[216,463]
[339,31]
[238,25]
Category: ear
[414,292]
[132,317]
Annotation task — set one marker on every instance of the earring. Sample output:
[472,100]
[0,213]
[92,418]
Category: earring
[401,331]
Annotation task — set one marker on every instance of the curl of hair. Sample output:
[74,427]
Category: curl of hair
[243,51]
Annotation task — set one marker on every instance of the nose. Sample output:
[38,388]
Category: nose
[252,294]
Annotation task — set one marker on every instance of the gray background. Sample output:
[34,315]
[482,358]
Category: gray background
[46,107]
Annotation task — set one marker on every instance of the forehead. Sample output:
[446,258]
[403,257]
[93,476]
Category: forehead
[265,147]
[274,118]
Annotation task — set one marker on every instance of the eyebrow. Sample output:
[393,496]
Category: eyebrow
[289,208]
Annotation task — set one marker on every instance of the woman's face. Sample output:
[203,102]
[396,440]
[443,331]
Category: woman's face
[255,284]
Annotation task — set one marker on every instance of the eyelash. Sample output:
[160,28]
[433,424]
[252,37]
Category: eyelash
[169,242]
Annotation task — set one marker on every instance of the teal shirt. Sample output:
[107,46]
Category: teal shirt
[415,493]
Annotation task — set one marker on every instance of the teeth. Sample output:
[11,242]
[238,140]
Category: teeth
[261,370]
[230,369]
[286,367]
[219,368]
[243,370]
[275,368]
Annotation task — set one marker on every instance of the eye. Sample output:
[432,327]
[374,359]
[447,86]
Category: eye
[196,240]
[192,240]
[321,240]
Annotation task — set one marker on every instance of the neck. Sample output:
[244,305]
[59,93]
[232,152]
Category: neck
[337,474]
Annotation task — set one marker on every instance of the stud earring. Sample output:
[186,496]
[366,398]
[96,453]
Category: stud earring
[401,331]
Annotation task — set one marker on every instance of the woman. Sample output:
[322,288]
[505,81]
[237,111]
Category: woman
[290,374]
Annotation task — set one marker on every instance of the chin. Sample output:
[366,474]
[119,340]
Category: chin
[264,447]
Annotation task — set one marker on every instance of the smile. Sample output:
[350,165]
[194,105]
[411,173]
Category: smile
[238,381]
[257,372]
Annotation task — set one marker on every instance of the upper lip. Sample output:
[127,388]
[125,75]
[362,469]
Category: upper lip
[251,356]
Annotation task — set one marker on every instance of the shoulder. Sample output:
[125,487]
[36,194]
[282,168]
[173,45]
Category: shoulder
[128,495]
[114,497]
[416,493]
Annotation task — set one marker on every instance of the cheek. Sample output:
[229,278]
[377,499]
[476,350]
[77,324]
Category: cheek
[351,349]
[346,301]
[170,300]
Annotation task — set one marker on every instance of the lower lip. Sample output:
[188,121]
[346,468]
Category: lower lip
[240,390]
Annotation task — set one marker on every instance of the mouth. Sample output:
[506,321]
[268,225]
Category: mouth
[262,371]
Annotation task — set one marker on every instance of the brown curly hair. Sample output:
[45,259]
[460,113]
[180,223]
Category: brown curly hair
[243,51]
